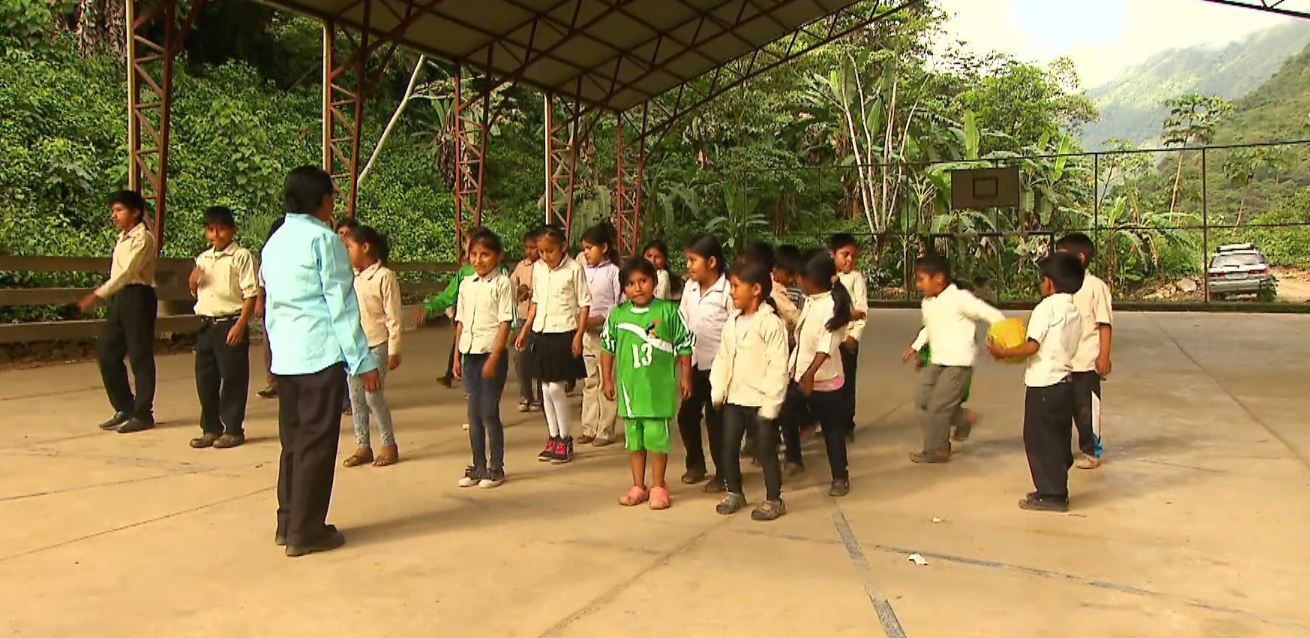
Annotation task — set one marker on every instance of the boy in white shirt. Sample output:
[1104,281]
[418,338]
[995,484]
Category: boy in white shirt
[950,317]
[844,251]
[1054,329]
[1091,362]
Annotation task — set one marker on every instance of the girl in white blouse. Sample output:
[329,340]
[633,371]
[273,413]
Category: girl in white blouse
[706,302]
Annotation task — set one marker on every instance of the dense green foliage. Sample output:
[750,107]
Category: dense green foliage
[859,136]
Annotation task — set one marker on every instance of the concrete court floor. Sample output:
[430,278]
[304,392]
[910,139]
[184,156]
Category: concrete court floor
[1194,527]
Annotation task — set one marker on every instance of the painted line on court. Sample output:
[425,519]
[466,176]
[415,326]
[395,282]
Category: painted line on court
[1300,456]
[891,626]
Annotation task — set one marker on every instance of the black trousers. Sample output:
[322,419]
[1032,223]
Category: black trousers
[794,415]
[1047,438]
[737,421]
[450,361]
[689,418]
[1087,411]
[222,377]
[529,384]
[829,409]
[850,363]
[309,424]
[130,332]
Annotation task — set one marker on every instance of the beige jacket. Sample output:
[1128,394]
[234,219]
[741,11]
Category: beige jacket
[750,369]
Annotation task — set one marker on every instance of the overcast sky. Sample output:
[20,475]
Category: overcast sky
[1104,37]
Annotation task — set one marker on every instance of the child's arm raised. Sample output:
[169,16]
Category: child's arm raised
[977,309]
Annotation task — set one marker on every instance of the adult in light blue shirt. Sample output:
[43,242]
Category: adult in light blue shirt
[312,319]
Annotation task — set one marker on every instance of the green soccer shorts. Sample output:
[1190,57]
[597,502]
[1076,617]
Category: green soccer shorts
[651,435]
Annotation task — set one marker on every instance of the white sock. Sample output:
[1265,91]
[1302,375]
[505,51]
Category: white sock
[552,393]
[557,406]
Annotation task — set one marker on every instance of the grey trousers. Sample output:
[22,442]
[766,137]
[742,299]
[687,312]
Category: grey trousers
[939,399]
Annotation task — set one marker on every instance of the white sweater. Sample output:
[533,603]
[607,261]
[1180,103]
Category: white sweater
[750,369]
[950,326]
[813,337]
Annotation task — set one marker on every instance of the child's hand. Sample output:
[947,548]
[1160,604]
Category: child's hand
[718,405]
[420,315]
[457,369]
[372,381]
[1103,364]
[850,343]
[996,350]
[525,293]
[908,354]
[577,345]
[520,342]
[88,302]
[393,361]
[684,386]
[489,368]
[608,388]
[196,279]
[807,384]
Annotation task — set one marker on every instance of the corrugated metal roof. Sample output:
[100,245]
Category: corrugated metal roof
[610,54]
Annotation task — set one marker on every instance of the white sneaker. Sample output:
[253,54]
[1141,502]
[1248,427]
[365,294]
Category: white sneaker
[470,478]
[492,479]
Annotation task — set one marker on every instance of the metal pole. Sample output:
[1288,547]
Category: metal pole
[1205,230]
[550,169]
[329,31]
[1096,201]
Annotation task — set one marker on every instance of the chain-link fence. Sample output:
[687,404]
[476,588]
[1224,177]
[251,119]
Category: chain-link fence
[1219,224]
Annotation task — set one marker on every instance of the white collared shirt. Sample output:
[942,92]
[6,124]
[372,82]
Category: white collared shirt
[1056,326]
[1095,308]
[134,260]
[950,326]
[484,304]
[705,314]
[378,292]
[606,291]
[228,280]
[813,337]
[859,291]
[750,368]
[559,293]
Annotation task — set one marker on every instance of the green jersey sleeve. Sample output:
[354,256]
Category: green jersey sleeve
[683,340]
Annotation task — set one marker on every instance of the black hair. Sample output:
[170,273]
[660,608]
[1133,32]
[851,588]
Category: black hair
[1078,244]
[488,240]
[219,216]
[130,200]
[531,235]
[272,228]
[378,248]
[822,271]
[348,223]
[707,247]
[602,234]
[759,252]
[787,258]
[553,233]
[933,265]
[810,253]
[841,240]
[636,264]
[1065,271]
[757,273]
[304,190]
[657,244]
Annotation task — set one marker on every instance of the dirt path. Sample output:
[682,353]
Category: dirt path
[1293,285]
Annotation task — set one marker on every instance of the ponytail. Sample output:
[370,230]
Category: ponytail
[821,271]
[842,307]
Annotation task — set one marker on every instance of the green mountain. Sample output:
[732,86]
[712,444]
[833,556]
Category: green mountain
[1130,105]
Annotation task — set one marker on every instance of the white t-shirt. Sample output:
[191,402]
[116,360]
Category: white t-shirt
[1056,326]
[1095,307]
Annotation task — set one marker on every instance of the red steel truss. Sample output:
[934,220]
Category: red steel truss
[562,142]
[472,122]
[631,169]
[150,99]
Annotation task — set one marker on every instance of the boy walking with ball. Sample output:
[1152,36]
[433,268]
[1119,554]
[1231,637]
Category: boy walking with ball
[1054,329]
[1091,362]
[645,366]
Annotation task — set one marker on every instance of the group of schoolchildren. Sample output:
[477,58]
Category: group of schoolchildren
[756,352]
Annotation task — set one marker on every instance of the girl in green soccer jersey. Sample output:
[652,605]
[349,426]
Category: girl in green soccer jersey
[645,366]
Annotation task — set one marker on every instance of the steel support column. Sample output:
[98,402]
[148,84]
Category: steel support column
[562,141]
[631,166]
[471,128]
[345,87]
[150,100]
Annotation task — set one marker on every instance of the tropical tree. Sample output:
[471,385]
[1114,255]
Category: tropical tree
[1191,121]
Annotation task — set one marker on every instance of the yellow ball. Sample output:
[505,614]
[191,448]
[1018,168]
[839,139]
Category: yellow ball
[1010,333]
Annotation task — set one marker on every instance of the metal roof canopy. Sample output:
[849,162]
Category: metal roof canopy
[605,54]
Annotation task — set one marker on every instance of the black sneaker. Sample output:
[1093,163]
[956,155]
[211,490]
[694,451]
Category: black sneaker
[204,440]
[118,419]
[491,479]
[1036,503]
[548,452]
[563,450]
[472,475]
[330,540]
[229,441]
[136,425]
[840,487]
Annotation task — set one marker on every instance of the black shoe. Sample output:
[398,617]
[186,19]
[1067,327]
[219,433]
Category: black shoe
[136,425]
[850,435]
[548,452]
[118,419]
[267,393]
[446,381]
[1035,503]
[563,451]
[280,540]
[229,441]
[204,440]
[330,540]
[840,487]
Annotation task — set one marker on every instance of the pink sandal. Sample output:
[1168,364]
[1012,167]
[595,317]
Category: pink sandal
[636,496]
[660,499]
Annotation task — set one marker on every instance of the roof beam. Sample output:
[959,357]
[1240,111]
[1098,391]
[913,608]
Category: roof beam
[1268,6]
